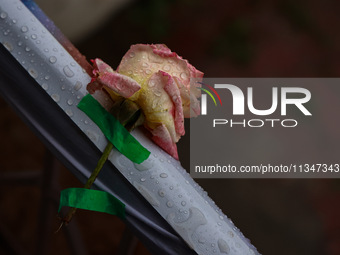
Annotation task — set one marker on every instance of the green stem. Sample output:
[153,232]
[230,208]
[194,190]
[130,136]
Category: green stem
[99,166]
[129,115]
[90,180]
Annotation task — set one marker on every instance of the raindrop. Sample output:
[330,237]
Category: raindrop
[24,29]
[152,83]
[145,64]
[223,246]
[188,227]
[69,112]
[163,175]
[14,21]
[230,233]
[184,76]
[33,72]
[34,36]
[161,193]
[62,87]
[55,97]
[132,54]
[183,203]
[201,240]
[171,187]
[142,179]
[8,46]
[92,135]
[46,50]
[166,68]
[157,93]
[146,165]
[68,72]
[147,194]
[37,42]
[3,15]
[70,102]
[148,71]
[20,43]
[78,85]
[169,204]
[53,59]
[45,86]
[27,49]
[47,77]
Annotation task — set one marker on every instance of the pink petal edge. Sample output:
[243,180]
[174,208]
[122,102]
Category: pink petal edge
[161,136]
[172,90]
[121,84]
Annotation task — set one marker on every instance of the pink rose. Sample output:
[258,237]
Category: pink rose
[158,80]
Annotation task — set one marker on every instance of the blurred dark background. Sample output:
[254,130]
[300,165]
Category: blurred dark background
[250,38]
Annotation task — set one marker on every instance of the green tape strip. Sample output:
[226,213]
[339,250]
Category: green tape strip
[94,200]
[115,132]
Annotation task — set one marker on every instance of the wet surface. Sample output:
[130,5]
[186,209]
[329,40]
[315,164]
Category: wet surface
[235,39]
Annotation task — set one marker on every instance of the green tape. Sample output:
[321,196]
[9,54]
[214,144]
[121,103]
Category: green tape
[94,200]
[115,132]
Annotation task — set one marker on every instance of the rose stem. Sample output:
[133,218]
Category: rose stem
[90,180]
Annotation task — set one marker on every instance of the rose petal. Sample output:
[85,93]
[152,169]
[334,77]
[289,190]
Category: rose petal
[157,104]
[100,66]
[161,136]
[142,60]
[121,84]
[171,88]
[162,50]
[190,104]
